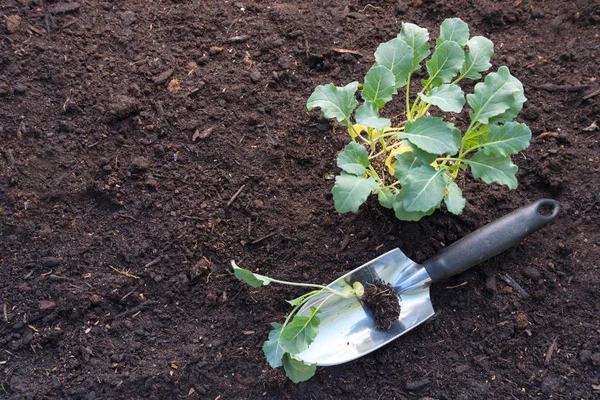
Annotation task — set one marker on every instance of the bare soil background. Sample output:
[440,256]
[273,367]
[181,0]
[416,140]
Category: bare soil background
[126,129]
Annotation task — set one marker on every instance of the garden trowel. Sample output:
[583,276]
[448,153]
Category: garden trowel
[347,331]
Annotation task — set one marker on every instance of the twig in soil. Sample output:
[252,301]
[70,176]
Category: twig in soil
[5,313]
[544,134]
[260,239]
[127,274]
[590,95]
[127,295]
[563,88]
[512,283]
[457,286]
[153,262]
[133,310]
[129,217]
[550,351]
[235,195]
[356,53]
[59,278]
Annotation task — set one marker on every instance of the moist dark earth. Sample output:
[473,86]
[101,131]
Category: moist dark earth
[145,145]
[382,303]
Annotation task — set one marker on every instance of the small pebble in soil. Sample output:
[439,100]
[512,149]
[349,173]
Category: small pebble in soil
[382,301]
[49,262]
[531,272]
[521,320]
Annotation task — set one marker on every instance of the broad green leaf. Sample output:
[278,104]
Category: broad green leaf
[493,96]
[368,115]
[424,190]
[507,139]
[494,168]
[300,333]
[335,102]
[477,58]
[350,191]
[471,139]
[252,279]
[446,61]
[405,162]
[430,134]
[418,40]
[454,200]
[380,85]
[354,159]
[397,56]
[296,370]
[456,135]
[404,215]
[454,29]
[448,97]
[422,155]
[516,105]
[386,197]
[272,349]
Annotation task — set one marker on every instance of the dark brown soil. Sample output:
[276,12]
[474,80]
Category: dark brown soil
[383,304]
[126,129]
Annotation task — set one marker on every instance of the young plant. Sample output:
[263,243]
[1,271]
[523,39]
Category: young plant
[297,332]
[412,165]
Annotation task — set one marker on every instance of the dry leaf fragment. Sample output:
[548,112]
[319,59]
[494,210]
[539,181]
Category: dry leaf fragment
[174,86]
[197,135]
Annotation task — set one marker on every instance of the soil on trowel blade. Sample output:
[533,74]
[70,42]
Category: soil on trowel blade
[382,301]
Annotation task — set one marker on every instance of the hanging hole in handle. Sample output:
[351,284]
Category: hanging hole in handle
[546,210]
[549,208]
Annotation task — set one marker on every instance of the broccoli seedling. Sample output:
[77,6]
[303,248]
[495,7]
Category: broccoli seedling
[412,165]
[297,332]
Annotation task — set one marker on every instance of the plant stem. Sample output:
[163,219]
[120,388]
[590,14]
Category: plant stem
[408,116]
[385,151]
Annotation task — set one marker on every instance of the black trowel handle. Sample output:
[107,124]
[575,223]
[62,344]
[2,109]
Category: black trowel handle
[492,239]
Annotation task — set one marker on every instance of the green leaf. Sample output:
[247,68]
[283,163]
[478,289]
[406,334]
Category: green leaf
[273,351]
[354,159]
[454,200]
[300,333]
[380,85]
[507,139]
[424,190]
[471,139]
[350,191]
[430,134]
[446,61]
[418,40]
[493,96]
[296,370]
[422,155]
[448,97]
[499,169]
[252,279]
[386,197]
[477,58]
[516,105]
[404,215]
[405,162]
[335,102]
[397,56]
[368,115]
[456,135]
[454,29]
